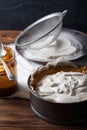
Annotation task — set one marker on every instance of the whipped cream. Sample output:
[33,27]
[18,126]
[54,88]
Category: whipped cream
[61,47]
[63,87]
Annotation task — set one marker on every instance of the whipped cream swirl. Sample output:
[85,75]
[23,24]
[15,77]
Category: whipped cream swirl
[63,87]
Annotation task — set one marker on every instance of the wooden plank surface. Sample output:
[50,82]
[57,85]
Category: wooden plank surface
[8,36]
[16,114]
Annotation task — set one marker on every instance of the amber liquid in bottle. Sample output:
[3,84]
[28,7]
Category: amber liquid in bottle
[8,87]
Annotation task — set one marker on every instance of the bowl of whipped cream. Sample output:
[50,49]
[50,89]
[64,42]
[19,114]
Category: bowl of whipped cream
[47,35]
[58,92]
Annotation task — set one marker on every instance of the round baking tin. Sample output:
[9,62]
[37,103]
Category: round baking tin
[58,113]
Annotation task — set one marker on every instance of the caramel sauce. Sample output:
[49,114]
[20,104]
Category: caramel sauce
[7,86]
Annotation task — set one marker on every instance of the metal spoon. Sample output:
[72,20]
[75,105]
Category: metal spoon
[2,54]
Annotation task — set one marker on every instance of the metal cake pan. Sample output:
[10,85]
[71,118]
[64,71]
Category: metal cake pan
[58,113]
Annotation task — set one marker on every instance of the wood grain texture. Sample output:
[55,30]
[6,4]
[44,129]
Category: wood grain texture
[16,114]
[8,36]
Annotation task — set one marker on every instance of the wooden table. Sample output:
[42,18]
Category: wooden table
[16,114]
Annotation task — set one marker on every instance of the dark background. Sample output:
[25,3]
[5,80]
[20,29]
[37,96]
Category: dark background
[18,14]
